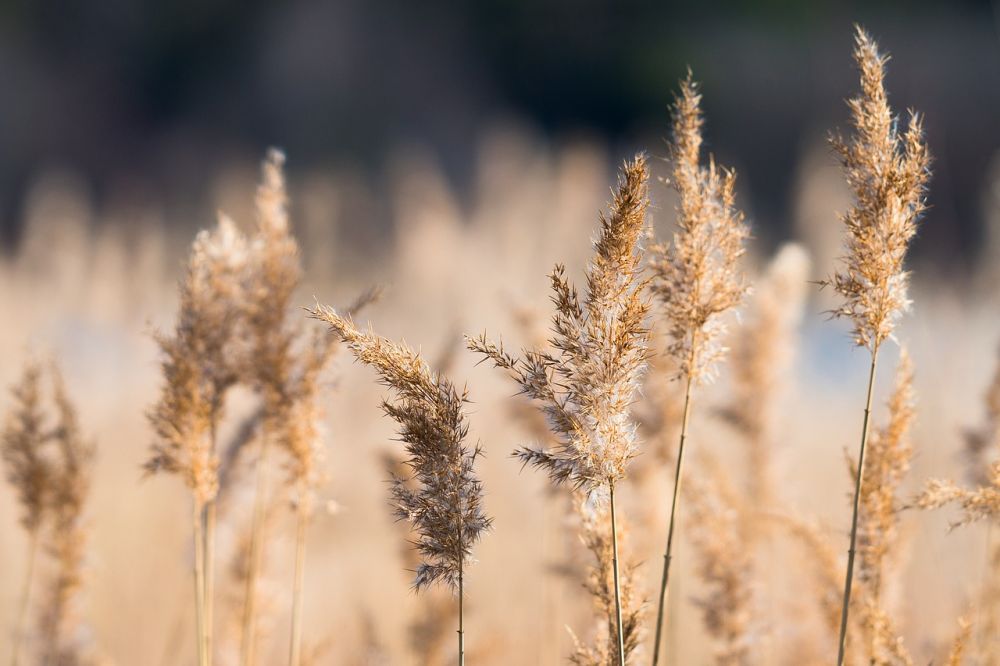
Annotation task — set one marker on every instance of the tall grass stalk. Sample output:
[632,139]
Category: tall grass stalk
[302,521]
[696,278]
[25,603]
[668,554]
[248,643]
[615,569]
[198,527]
[887,171]
[586,385]
[849,577]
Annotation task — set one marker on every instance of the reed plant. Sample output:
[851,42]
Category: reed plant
[887,171]
[697,281]
[445,508]
[586,385]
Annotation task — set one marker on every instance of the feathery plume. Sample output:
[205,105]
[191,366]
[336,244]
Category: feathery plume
[429,632]
[201,361]
[446,510]
[30,472]
[586,385]
[59,625]
[887,173]
[50,467]
[24,434]
[696,278]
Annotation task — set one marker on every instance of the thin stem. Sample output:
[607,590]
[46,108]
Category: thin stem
[461,613]
[199,581]
[461,585]
[988,587]
[248,642]
[668,555]
[848,579]
[22,614]
[295,648]
[614,567]
[209,592]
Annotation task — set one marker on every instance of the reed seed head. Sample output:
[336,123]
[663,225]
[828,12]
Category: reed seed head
[887,172]
[446,507]
[587,383]
[696,277]
[199,360]
[28,469]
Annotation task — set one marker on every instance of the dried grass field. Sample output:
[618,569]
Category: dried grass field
[296,438]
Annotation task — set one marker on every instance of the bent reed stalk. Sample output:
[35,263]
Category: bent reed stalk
[443,498]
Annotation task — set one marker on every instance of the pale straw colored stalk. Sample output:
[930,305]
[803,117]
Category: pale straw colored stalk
[697,280]
[887,172]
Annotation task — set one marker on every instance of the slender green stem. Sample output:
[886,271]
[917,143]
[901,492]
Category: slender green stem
[614,566]
[248,643]
[199,581]
[668,555]
[22,613]
[848,579]
[295,648]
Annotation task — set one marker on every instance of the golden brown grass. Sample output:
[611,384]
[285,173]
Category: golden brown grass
[240,420]
[50,464]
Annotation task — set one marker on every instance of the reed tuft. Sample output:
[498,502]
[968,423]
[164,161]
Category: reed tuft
[446,509]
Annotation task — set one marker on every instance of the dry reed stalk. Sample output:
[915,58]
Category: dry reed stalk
[200,363]
[878,546]
[602,582]
[30,473]
[887,173]
[587,384]
[50,467]
[446,510]
[275,273]
[696,279]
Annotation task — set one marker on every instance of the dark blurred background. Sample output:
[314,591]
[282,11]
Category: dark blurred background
[152,98]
